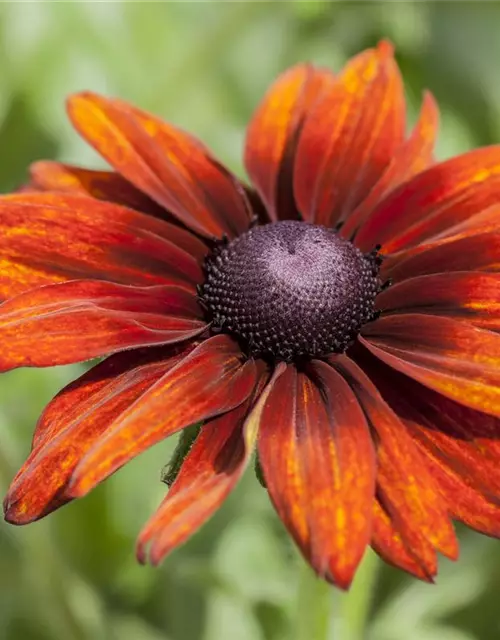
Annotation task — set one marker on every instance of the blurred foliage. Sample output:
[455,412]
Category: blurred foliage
[204,66]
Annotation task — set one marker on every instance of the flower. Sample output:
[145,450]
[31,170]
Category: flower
[341,318]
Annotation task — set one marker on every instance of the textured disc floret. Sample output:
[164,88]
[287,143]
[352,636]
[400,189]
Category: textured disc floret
[289,290]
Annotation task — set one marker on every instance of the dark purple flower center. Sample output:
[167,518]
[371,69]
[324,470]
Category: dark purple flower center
[290,290]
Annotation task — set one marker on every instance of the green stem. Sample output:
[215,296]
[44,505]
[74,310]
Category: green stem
[313,606]
[355,605]
[316,600]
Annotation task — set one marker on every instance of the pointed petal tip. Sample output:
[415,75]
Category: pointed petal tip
[84,94]
[15,512]
[140,552]
[340,578]
[385,48]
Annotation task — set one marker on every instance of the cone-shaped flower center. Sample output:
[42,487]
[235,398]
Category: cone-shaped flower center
[289,290]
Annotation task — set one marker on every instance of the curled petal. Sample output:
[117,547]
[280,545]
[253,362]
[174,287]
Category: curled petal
[75,419]
[210,471]
[318,461]
[413,156]
[471,296]
[210,381]
[349,137]
[273,133]
[405,487]
[460,361]
[49,237]
[82,319]
[433,201]
[171,167]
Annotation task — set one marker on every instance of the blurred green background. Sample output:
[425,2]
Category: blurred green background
[204,66]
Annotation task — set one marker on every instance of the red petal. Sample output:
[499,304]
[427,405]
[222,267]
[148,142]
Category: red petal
[471,296]
[83,319]
[461,446]
[209,473]
[405,486]
[413,156]
[75,419]
[475,253]
[273,131]
[171,167]
[451,357]
[318,461]
[391,546]
[439,198]
[210,381]
[349,137]
[47,238]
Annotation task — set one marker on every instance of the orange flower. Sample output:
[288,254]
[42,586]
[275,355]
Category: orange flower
[344,321]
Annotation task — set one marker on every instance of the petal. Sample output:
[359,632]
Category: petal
[471,296]
[405,486]
[441,197]
[47,175]
[209,472]
[413,156]
[75,419]
[273,132]
[48,237]
[460,361]
[466,503]
[82,319]
[461,446]
[318,462]
[210,381]
[349,137]
[483,223]
[475,253]
[171,167]
[392,548]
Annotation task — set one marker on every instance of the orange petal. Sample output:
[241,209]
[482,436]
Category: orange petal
[349,137]
[75,419]
[47,238]
[413,156]
[210,471]
[47,175]
[471,296]
[318,462]
[273,132]
[82,319]
[210,381]
[171,167]
[405,486]
[460,361]
[433,201]
[461,446]
[392,548]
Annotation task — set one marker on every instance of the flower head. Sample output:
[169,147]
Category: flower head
[340,316]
